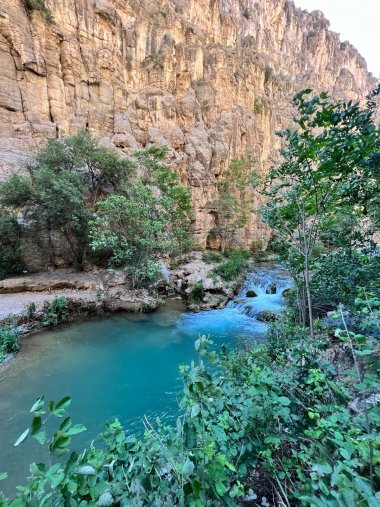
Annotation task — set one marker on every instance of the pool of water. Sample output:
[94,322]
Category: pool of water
[125,366]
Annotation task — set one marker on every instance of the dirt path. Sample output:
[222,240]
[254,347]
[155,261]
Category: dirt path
[14,304]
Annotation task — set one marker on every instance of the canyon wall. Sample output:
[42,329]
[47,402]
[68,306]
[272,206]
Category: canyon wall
[208,78]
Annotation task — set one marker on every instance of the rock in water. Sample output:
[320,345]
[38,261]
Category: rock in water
[266,316]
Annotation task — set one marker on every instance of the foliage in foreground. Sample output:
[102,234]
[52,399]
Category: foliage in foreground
[274,423]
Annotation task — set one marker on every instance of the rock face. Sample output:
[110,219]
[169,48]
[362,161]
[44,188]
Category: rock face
[193,271]
[208,78]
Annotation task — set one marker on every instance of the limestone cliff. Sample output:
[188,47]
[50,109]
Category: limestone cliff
[209,78]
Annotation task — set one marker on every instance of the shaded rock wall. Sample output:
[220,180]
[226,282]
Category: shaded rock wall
[209,78]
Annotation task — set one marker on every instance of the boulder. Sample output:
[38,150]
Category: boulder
[266,316]
[250,294]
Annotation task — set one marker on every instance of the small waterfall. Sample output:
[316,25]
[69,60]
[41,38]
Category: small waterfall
[262,292]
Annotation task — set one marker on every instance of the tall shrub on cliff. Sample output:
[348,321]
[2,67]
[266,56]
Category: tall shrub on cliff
[150,218]
[330,168]
[234,200]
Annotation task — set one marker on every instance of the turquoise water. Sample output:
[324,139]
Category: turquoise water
[125,366]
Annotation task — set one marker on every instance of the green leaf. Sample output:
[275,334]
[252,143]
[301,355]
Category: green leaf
[220,488]
[41,437]
[22,437]
[36,424]
[195,410]
[59,410]
[3,475]
[187,468]
[77,428]
[284,401]
[85,470]
[321,469]
[65,424]
[38,405]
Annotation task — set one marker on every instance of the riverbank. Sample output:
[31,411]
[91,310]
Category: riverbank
[121,365]
[26,301]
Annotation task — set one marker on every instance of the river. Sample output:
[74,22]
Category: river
[124,366]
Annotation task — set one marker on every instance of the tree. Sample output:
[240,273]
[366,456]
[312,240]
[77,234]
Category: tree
[101,167]
[149,219]
[10,249]
[175,198]
[330,162]
[53,199]
[234,201]
[67,177]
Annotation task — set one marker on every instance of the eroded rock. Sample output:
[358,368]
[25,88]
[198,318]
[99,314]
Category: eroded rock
[203,79]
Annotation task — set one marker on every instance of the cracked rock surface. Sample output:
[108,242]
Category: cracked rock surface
[209,79]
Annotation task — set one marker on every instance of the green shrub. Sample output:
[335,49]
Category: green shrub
[233,266]
[337,275]
[197,293]
[10,249]
[31,309]
[268,75]
[9,338]
[257,249]
[56,312]
[211,257]
[39,5]
[258,106]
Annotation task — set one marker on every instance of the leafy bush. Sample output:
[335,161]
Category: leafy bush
[257,249]
[211,257]
[31,309]
[197,293]
[337,275]
[39,5]
[56,312]
[266,423]
[9,338]
[150,219]
[10,250]
[258,106]
[233,266]
[235,201]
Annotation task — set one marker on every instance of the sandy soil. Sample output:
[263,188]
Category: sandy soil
[14,304]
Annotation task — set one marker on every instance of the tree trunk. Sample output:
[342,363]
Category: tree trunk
[308,296]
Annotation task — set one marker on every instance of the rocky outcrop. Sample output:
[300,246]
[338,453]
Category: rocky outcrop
[47,282]
[109,289]
[196,283]
[208,78]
